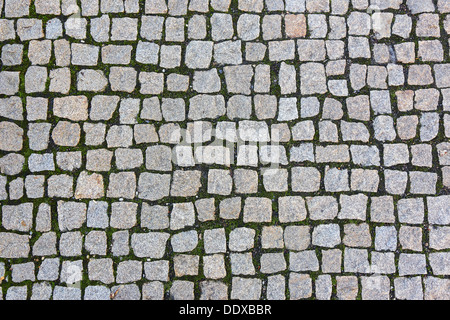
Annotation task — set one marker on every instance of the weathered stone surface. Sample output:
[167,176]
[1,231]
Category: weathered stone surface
[91,80]
[185,183]
[123,79]
[300,286]
[291,209]
[438,212]
[29,29]
[151,244]
[66,134]
[11,136]
[241,239]
[326,235]
[74,108]
[14,245]
[123,215]
[257,210]
[71,215]
[182,215]
[89,186]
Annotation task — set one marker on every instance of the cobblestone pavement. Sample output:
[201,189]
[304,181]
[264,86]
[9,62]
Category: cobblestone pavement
[225,149]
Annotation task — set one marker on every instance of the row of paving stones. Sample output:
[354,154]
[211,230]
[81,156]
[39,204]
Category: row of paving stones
[232,52]
[426,126]
[213,266]
[68,134]
[40,52]
[100,160]
[387,122]
[298,237]
[355,260]
[315,79]
[190,183]
[420,103]
[277,287]
[20,8]
[224,134]
[125,215]
[220,26]
[334,126]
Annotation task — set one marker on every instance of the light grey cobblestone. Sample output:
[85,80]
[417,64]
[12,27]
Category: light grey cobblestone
[217,149]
